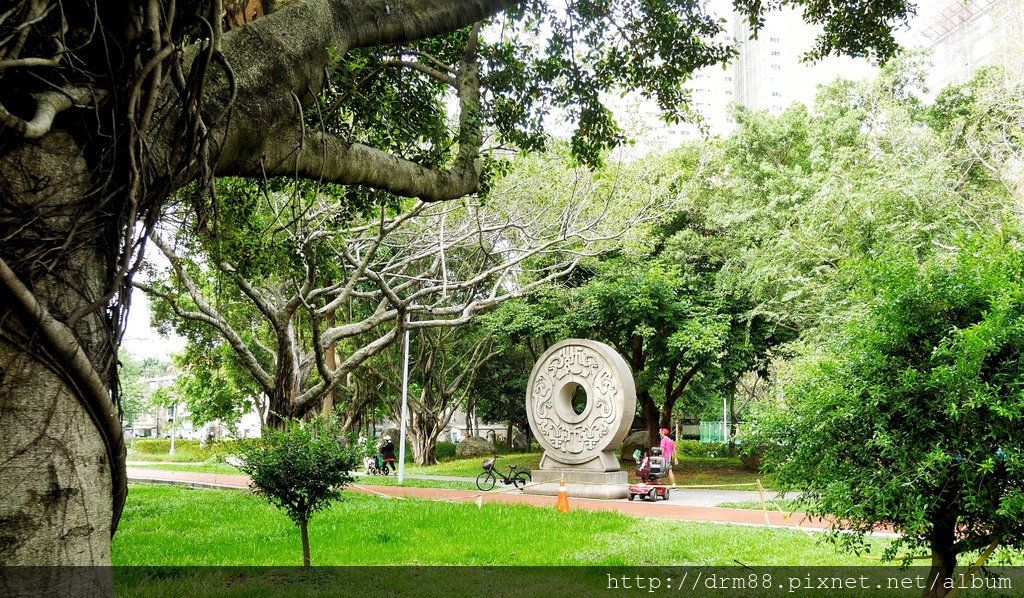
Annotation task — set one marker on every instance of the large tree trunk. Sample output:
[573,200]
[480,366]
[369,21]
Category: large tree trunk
[280,410]
[423,438]
[943,558]
[61,457]
[651,417]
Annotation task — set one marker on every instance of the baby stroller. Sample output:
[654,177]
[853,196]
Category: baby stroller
[650,470]
[375,465]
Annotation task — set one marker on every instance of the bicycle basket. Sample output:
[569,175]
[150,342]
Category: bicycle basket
[488,464]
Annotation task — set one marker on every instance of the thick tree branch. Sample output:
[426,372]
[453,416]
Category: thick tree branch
[267,140]
[426,70]
[48,105]
[257,298]
[349,365]
[322,156]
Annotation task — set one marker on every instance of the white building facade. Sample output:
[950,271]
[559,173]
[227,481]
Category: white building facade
[965,35]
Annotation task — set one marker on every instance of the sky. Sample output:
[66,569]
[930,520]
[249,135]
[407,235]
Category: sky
[140,339]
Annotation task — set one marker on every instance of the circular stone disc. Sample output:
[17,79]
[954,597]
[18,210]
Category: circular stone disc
[603,374]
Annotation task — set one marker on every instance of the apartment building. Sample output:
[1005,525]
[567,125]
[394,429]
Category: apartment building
[964,35]
[769,74]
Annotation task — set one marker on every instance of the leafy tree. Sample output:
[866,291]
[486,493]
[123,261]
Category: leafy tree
[113,111]
[806,193]
[212,387]
[443,364]
[675,317]
[981,122]
[301,469]
[296,338]
[910,415]
[154,367]
[134,394]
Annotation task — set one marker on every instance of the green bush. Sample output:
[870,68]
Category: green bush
[697,450]
[716,449]
[690,448]
[155,447]
[445,451]
[215,451]
[301,470]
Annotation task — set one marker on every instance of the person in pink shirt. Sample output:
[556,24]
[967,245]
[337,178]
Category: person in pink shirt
[668,450]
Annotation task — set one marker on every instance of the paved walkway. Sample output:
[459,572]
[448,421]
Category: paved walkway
[683,503]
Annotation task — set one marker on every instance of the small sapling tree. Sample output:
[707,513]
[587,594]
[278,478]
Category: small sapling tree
[300,469]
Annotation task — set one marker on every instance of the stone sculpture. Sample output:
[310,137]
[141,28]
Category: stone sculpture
[585,441]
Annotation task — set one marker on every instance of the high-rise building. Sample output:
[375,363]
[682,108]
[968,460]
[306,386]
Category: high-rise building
[769,74]
[964,35]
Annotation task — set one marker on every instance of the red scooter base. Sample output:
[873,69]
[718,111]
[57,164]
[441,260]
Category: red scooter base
[647,490]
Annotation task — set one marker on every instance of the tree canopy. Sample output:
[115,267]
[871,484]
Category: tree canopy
[910,415]
[901,265]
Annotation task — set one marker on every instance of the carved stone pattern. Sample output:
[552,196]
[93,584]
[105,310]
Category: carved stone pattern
[585,367]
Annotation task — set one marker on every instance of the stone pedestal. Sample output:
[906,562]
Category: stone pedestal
[579,484]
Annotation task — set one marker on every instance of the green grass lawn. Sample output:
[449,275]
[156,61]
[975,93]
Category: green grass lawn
[165,458]
[721,471]
[171,525]
[787,506]
[233,545]
[470,467]
[219,468]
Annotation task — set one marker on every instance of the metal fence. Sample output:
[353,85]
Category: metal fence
[713,431]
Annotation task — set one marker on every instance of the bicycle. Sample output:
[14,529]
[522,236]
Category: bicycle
[488,478]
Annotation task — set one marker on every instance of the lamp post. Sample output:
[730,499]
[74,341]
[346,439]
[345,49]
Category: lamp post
[725,419]
[174,419]
[405,406]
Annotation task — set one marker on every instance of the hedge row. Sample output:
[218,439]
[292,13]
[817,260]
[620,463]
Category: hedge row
[162,446]
[696,449]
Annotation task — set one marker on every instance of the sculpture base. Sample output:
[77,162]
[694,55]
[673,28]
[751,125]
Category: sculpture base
[610,485]
[605,461]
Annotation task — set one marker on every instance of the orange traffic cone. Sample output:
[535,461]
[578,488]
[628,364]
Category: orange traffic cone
[563,498]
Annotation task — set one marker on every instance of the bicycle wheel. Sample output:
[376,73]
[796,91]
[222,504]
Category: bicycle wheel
[486,480]
[521,479]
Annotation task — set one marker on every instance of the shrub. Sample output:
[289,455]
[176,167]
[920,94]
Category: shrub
[445,451]
[690,448]
[156,446]
[301,470]
[698,450]
[190,449]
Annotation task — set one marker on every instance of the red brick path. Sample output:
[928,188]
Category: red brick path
[641,508]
